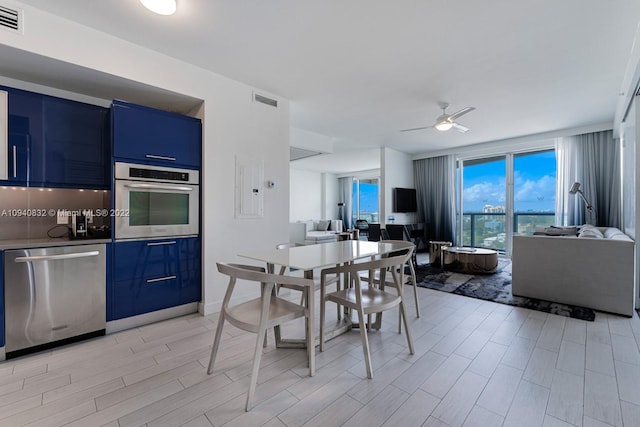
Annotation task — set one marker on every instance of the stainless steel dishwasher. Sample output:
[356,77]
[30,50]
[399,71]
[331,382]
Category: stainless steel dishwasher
[53,295]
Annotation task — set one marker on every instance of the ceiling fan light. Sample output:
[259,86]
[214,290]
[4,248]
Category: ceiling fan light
[161,7]
[443,126]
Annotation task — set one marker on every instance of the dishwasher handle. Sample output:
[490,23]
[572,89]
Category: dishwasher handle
[56,257]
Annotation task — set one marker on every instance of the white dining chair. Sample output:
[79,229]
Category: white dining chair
[367,299]
[260,314]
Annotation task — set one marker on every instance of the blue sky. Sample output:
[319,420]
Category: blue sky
[534,183]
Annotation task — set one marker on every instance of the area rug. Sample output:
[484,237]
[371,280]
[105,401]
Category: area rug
[493,287]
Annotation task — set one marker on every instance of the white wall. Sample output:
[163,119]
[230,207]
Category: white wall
[232,126]
[306,193]
[396,171]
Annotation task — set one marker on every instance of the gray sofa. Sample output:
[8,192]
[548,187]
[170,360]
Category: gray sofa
[593,269]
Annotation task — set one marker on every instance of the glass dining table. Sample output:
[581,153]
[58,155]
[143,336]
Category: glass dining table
[312,257]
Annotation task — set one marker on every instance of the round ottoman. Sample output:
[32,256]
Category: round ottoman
[470,260]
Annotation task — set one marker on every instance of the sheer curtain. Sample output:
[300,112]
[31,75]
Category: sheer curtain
[593,160]
[345,195]
[435,187]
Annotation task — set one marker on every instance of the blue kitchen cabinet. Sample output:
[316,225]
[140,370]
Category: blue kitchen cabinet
[1,299]
[150,136]
[152,275]
[191,266]
[76,146]
[54,142]
[25,133]
[109,280]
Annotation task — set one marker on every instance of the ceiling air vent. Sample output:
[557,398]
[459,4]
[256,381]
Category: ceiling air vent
[10,19]
[265,100]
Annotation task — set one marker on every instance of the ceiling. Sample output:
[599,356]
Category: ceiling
[358,71]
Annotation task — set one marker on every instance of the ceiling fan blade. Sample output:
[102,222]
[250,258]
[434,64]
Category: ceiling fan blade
[412,129]
[461,113]
[460,128]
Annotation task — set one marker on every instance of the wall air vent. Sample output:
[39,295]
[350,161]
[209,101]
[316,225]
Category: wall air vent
[296,153]
[11,19]
[265,100]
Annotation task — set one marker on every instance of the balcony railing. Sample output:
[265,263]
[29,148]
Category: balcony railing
[487,230]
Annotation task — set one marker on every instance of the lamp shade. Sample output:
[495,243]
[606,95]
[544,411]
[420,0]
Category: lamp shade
[161,7]
[574,188]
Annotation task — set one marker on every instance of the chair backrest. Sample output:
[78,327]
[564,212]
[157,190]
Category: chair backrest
[396,231]
[374,232]
[256,274]
[378,264]
[384,234]
[403,246]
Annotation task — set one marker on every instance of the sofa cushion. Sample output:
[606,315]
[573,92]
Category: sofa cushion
[319,236]
[323,225]
[611,232]
[622,237]
[336,225]
[310,225]
[592,233]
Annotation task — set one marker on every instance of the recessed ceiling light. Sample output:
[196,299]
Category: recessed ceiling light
[161,7]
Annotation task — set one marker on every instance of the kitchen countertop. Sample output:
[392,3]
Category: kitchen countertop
[47,242]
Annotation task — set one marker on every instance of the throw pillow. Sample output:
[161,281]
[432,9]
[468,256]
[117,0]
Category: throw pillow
[323,225]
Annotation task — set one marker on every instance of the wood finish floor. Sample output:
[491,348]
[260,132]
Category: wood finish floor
[477,363]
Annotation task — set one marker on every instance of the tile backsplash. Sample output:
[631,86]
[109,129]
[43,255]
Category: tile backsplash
[31,213]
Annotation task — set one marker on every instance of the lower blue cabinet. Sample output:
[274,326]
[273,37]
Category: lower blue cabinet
[152,275]
[1,299]
[140,295]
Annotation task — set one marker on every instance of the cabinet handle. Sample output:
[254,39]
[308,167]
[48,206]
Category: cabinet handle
[15,162]
[56,257]
[154,156]
[161,279]
[172,242]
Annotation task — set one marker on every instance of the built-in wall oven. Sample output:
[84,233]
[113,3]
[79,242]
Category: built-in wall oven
[155,201]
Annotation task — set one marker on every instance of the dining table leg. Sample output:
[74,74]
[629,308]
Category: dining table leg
[310,324]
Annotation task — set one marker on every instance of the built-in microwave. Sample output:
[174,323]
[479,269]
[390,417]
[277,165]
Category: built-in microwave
[155,201]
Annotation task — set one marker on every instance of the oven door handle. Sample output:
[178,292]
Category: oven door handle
[159,187]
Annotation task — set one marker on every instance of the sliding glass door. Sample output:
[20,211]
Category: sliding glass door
[365,203]
[502,195]
[534,190]
[484,202]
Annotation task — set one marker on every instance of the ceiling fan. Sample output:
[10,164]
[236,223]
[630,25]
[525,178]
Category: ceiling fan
[446,121]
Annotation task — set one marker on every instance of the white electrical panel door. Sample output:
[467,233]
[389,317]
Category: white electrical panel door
[249,189]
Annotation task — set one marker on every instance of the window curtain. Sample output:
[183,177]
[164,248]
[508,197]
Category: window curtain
[345,195]
[435,189]
[593,160]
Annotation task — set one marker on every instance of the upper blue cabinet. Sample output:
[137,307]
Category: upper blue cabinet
[55,142]
[76,145]
[150,136]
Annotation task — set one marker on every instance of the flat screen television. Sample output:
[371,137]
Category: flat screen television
[404,200]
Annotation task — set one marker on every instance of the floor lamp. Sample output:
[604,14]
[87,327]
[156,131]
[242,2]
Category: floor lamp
[575,189]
